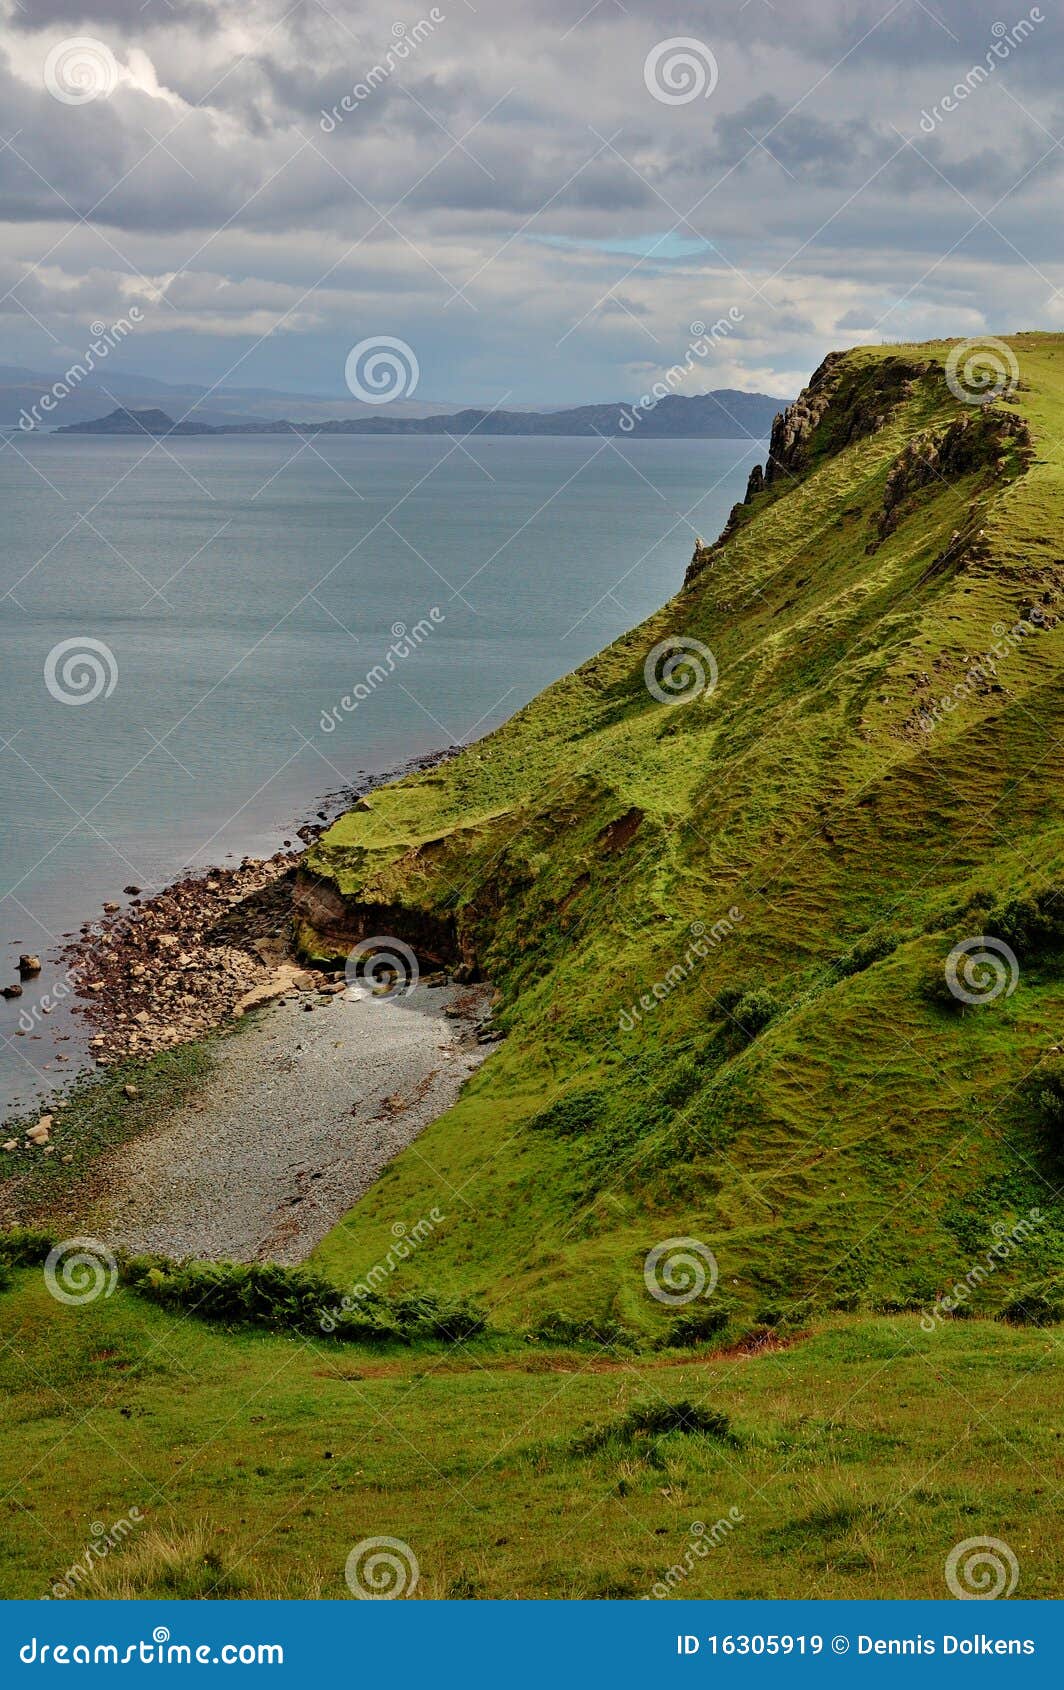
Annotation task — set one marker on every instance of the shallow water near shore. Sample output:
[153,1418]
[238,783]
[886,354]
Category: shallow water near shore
[240,590]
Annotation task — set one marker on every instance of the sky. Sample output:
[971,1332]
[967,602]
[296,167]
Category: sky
[537,199]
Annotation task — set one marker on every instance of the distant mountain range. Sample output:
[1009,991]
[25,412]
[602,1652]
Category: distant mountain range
[22,390]
[723,415]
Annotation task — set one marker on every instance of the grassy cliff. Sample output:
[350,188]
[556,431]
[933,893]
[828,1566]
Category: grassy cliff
[720,919]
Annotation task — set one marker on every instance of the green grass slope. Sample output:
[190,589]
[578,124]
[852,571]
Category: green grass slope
[244,1464]
[719,924]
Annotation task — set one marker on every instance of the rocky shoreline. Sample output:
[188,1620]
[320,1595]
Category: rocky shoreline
[170,968]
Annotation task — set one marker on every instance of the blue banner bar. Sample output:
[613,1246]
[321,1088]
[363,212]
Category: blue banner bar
[542,1645]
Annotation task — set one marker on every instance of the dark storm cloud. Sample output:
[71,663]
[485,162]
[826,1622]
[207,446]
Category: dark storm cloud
[801,143]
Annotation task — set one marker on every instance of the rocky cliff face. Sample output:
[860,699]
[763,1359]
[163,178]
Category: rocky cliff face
[842,404]
[328,926]
[979,440]
[836,395]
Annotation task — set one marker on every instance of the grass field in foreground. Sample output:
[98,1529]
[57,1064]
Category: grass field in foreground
[850,1463]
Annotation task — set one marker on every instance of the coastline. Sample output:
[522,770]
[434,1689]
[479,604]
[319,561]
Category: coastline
[267,1143]
[178,965]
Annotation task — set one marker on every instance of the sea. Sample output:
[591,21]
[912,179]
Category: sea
[182,621]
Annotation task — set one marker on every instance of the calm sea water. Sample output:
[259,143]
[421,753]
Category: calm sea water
[228,593]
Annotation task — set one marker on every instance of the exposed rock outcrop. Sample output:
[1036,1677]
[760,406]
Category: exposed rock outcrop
[839,405]
[854,403]
[792,430]
[329,926]
[974,441]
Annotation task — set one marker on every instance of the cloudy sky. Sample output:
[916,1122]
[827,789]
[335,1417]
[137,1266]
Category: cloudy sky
[538,196]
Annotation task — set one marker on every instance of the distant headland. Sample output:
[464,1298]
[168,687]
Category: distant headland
[723,415]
